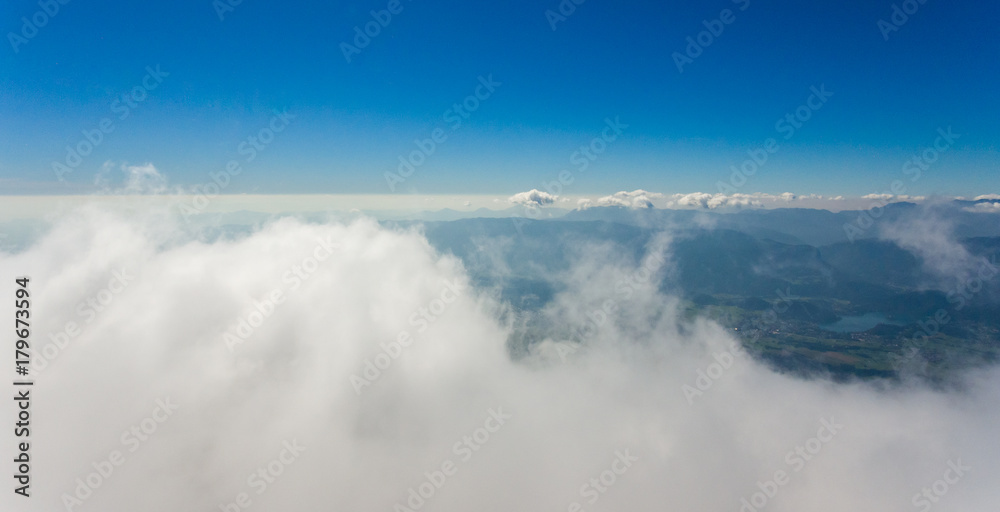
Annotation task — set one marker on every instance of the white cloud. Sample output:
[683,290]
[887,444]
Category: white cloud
[985,207]
[893,198]
[136,179]
[143,179]
[929,234]
[533,197]
[738,200]
[883,197]
[162,335]
[712,201]
[634,199]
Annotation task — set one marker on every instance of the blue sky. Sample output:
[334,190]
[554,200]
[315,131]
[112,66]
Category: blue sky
[352,120]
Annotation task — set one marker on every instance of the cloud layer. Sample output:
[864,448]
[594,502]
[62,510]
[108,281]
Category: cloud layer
[634,199]
[705,200]
[261,341]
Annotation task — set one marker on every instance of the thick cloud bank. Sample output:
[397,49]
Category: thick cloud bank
[349,367]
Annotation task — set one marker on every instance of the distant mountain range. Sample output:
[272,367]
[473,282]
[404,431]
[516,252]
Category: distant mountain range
[854,304]
[858,285]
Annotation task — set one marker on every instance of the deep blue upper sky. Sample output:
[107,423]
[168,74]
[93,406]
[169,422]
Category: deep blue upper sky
[606,59]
